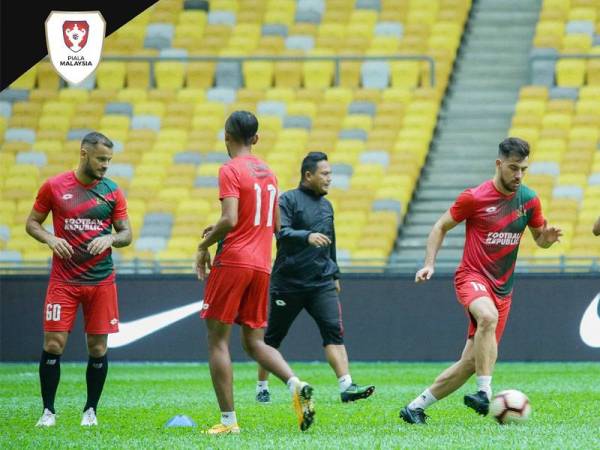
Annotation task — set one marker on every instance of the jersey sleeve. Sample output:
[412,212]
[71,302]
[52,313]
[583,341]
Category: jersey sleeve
[229,183]
[463,206]
[43,200]
[120,210]
[536,219]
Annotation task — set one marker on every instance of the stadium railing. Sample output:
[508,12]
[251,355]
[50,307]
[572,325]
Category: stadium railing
[550,264]
[336,59]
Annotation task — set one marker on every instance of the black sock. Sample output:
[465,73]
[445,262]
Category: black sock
[95,376]
[49,378]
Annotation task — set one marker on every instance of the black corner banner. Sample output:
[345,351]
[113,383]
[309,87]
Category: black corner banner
[23,36]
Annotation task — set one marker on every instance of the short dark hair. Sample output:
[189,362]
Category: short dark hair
[513,146]
[94,138]
[242,126]
[310,161]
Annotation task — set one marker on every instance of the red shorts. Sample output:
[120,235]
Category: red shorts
[470,287]
[236,294]
[99,302]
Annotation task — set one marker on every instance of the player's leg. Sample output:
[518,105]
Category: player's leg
[95,376]
[60,308]
[223,291]
[49,372]
[252,317]
[283,310]
[101,317]
[219,361]
[446,383]
[480,400]
[485,351]
[325,308]
[456,375]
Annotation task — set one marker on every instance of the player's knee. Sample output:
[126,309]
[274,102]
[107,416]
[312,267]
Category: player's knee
[274,342]
[251,345]
[54,347]
[488,320]
[331,333]
[97,349]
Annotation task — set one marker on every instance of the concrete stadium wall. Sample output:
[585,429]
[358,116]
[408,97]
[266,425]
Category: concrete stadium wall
[385,319]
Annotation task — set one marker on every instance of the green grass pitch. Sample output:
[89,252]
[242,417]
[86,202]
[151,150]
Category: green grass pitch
[139,398]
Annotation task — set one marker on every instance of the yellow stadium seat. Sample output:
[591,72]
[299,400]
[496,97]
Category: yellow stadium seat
[317,74]
[570,72]
[285,17]
[195,17]
[565,106]
[548,40]
[576,43]
[584,134]
[149,108]
[557,120]
[210,169]
[111,75]
[383,45]
[117,121]
[47,78]
[358,121]
[533,92]
[138,75]
[132,95]
[174,194]
[583,14]
[258,74]
[593,71]
[169,74]
[288,74]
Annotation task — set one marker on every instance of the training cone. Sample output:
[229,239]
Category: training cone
[180,421]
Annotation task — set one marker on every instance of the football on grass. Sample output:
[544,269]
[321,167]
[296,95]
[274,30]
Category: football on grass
[510,406]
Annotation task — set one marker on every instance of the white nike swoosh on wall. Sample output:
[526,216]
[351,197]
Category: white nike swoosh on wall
[589,330]
[137,329]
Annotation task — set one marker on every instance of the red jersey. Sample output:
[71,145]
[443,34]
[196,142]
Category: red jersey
[495,224]
[81,213]
[253,183]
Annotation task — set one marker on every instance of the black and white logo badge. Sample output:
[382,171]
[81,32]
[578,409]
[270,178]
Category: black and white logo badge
[74,41]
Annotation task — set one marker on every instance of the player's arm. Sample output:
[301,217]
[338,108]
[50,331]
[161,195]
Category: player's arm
[121,238]
[277,227]
[596,229]
[287,232]
[226,223]
[444,224]
[34,227]
[545,236]
[333,256]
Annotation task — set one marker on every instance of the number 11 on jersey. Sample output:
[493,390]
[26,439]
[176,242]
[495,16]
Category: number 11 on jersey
[272,193]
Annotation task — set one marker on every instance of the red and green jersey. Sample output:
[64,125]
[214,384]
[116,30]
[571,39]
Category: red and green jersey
[494,227]
[81,213]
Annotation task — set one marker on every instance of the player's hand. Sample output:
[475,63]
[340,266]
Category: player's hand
[338,287]
[318,240]
[60,247]
[551,235]
[424,274]
[203,264]
[207,230]
[100,244]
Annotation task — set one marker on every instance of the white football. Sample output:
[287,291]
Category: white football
[510,406]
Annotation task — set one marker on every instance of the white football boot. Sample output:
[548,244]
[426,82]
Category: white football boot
[48,419]
[89,418]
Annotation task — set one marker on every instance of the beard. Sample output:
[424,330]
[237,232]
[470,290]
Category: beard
[509,186]
[91,173]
